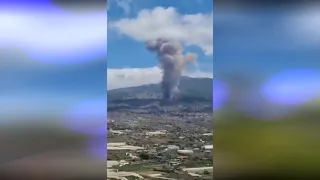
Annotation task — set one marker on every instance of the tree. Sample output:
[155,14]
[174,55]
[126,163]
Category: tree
[144,156]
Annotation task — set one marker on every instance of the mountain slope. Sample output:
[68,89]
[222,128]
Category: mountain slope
[194,93]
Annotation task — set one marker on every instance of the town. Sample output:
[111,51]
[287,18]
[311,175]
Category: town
[148,146]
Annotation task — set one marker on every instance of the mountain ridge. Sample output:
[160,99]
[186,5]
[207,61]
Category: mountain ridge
[195,94]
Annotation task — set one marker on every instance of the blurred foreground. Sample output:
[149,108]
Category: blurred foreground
[52,78]
[269,129]
[47,152]
[287,147]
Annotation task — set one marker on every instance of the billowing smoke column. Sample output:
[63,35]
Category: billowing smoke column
[172,62]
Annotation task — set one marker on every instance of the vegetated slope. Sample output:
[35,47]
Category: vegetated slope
[195,95]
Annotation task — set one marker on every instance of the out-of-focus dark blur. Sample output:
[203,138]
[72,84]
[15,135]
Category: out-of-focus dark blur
[267,56]
[53,89]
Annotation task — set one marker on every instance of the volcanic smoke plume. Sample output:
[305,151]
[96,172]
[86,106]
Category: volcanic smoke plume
[172,62]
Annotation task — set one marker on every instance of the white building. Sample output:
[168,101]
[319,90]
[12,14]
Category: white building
[185,152]
[208,147]
[173,147]
[154,133]
[207,134]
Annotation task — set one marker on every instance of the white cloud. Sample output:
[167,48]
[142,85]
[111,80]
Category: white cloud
[129,77]
[191,29]
[125,5]
[49,32]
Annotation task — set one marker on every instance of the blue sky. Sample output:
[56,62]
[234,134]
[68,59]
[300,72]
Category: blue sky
[263,42]
[131,23]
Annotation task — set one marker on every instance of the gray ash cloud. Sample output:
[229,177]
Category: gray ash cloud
[172,61]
